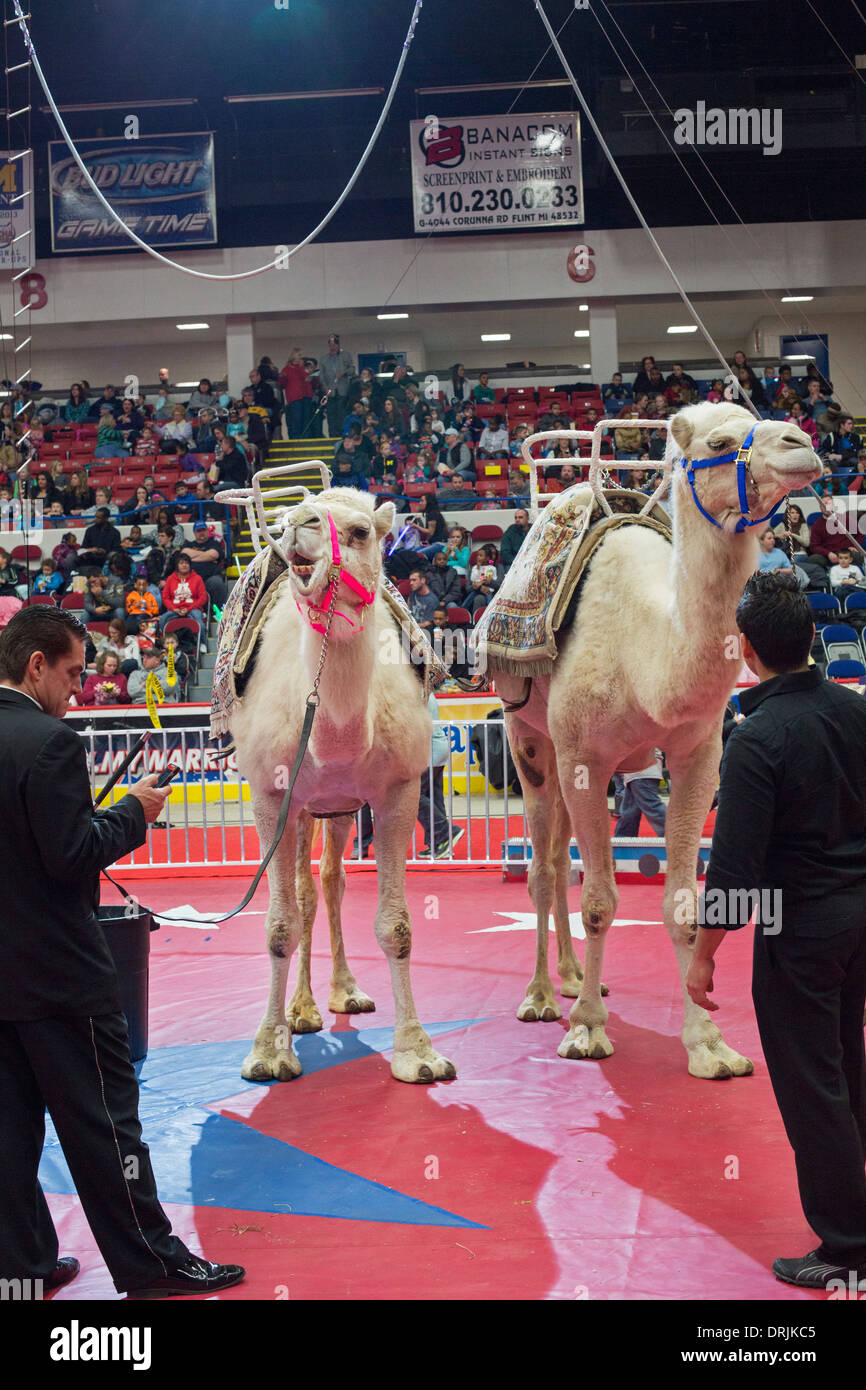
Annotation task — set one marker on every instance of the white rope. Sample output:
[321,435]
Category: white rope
[280,261]
[696,318]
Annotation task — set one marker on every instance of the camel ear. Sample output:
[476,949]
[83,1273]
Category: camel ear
[682,429]
[383,518]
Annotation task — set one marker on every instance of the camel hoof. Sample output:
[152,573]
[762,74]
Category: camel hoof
[570,988]
[283,1066]
[299,1024]
[585,1044]
[409,1066]
[539,1009]
[351,1001]
[718,1062]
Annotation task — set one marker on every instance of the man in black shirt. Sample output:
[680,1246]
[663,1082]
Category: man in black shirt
[100,540]
[207,555]
[791,835]
[63,1037]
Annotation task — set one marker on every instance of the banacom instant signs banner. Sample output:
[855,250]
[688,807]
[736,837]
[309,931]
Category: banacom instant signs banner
[486,173]
[161,185]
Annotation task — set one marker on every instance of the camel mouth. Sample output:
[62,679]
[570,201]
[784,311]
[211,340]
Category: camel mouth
[302,570]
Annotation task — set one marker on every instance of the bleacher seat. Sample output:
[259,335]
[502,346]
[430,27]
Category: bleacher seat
[490,468]
[855,602]
[456,614]
[72,601]
[842,670]
[840,642]
[825,608]
[487,532]
[39,600]
[521,393]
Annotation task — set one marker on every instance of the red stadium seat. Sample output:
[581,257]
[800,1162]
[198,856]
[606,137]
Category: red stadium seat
[405,587]
[459,615]
[72,601]
[487,533]
[490,468]
[39,601]
[416,489]
[521,393]
[486,409]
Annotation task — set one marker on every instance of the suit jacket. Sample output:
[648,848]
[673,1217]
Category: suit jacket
[54,960]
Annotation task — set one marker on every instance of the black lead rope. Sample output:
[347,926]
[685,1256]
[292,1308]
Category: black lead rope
[312,706]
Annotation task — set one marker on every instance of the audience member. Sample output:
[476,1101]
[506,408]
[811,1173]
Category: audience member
[514,537]
[422,601]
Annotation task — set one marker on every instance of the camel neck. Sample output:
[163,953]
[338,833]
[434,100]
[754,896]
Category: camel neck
[346,674]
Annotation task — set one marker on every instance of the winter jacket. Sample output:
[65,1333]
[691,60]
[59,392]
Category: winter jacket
[182,593]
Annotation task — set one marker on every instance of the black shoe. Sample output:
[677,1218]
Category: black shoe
[811,1272]
[195,1275]
[63,1273]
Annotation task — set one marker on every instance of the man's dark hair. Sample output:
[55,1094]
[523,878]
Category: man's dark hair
[42,629]
[775,615]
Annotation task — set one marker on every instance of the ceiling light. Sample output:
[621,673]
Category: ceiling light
[586,366]
[683,328]
[192,325]
[6,336]
[583,307]
[496,337]
[581,332]
[392,316]
[797,298]
[180,384]
[797,357]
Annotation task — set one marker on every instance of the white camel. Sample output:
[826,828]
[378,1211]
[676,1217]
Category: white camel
[370,742]
[649,662]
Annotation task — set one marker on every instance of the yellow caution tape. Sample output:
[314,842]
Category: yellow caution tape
[171,677]
[154,694]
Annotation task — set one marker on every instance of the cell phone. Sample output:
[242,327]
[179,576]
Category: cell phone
[168,776]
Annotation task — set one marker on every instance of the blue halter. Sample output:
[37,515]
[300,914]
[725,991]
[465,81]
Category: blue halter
[741,458]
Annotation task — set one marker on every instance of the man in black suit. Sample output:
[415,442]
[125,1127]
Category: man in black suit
[790,834]
[100,540]
[63,1037]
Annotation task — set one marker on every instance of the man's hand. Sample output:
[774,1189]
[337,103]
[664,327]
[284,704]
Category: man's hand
[699,983]
[152,798]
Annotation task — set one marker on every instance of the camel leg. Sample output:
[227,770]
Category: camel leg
[414,1056]
[272,1055]
[535,761]
[568,966]
[584,787]
[302,1014]
[694,774]
[345,996]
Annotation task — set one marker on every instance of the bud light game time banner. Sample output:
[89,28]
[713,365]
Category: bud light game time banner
[162,187]
[486,173]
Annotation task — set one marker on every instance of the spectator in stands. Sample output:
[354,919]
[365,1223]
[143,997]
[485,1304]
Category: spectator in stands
[794,527]
[49,580]
[171,641]
[97,607]
[657,445]
[518,483]
[658,408]
[203,398]
[336,370]
[460,389]
[490,501]
[202,503]
[458,549]
[430,525]
[655,383]
[203,438]
[147,444]
[554,419]
[163,553]
[162,408]
[483,391]
[184,594]
[65,555]
[255,420]
[140,603]
[642,378]
[106,685]
[494,439]
[845,576]
[812,374]
[130,421]
[207,555]
[751,388]
[108,398]
[841,448]
[265,398]
[366,389]
[614,393]
[176,429]
[100,540]
[558,449]
[485,578]
[10,576]
[470,423]
[102,498]
[231,469]
[716,392]
[117,572]
[123,644]
[567,475]
[41,489]
[815,402]
[518,434]
[298,390]
[679,378]
[152,660]
[629,441]
[110,441]
[77,407]
[56,515]
[828,485]
[803,422]
[444,581]
[772,558]
[825,534]
[457,457]
[514,537]
[393,421]
[422,602]
[456,495]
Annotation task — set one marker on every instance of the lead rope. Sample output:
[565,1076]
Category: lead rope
[312,702]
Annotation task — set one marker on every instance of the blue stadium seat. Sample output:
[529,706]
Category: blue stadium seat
[840,643]
[846,669]
[825,607]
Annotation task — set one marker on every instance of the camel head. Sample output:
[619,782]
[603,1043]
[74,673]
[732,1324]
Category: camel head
[782,459]
[308,545]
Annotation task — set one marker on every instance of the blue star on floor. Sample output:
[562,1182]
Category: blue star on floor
[204,1159]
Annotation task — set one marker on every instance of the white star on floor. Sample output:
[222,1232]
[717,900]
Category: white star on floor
[525,921]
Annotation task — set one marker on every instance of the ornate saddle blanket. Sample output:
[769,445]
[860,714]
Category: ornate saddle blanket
[246,611]
[538,595]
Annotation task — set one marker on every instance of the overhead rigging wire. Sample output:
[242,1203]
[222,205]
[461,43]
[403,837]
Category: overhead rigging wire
[785,321]
[279,261]
[696,318]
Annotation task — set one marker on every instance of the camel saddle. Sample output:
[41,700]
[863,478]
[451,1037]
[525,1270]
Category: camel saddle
[246,611]
[538,597]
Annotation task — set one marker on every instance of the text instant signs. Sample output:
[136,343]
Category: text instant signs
[162,186]
[488,173]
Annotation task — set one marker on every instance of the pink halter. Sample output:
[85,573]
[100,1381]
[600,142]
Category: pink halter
[337,574]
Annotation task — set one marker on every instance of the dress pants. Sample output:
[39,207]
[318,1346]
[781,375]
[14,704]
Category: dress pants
[809,994]
[640,794]
[79,1070]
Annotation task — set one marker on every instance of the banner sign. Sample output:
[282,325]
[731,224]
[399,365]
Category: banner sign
[489,173]
[16,178]
[161,185]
